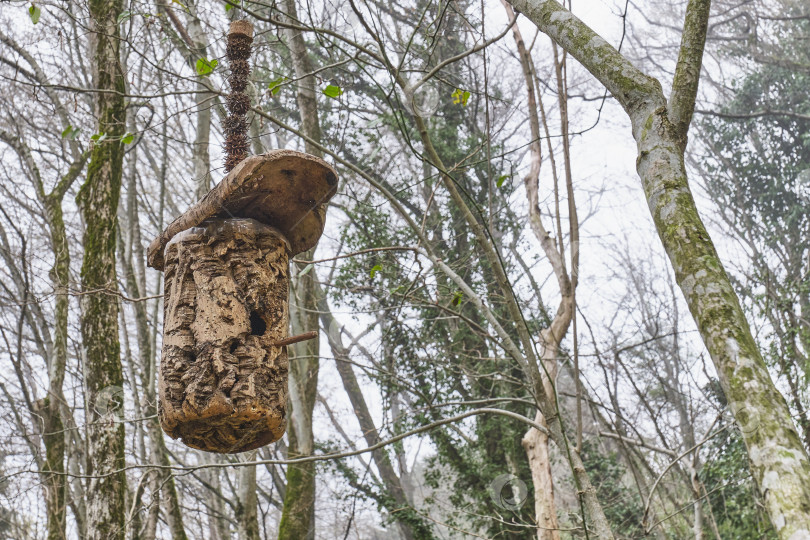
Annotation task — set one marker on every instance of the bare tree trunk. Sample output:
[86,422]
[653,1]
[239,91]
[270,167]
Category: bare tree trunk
[779,462]
[217,526]
[54,434]
[134,281]
[204,100]
[98,202]
[297,518]
[298,515]
[411,525]
[694,484]
[536,442]
[246,511]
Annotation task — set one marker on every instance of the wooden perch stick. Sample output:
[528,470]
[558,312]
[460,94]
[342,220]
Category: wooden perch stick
[295,339]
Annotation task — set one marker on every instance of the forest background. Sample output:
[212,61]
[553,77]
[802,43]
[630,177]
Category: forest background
[505,347]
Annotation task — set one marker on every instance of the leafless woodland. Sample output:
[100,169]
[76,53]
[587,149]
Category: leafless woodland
[563,290]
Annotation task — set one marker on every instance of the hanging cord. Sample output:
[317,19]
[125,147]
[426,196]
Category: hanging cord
[240,38]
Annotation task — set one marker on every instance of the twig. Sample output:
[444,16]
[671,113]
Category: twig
[295,339]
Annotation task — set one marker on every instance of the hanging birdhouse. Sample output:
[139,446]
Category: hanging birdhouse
[223,370]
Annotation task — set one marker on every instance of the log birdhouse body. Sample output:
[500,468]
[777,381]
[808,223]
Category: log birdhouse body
[222,381]
[224,367]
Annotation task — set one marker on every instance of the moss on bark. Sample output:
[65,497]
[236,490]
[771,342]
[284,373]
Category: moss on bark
[98,202]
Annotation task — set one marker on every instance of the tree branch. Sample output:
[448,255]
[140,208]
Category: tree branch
[687,71]
[630,86]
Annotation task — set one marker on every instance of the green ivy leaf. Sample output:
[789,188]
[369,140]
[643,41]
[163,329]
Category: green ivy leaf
[374,269]
[501,179]
[228,7]
[332,91]
[456,301]
[460,97]
[34,12]
[205,66]
[128,138]
[98,137]
[124,16]
[275,84]
[70,133]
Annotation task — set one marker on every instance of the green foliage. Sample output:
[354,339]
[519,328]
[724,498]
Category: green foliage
[735,502]
[732,493]
[432,347]
[70,133]
[622,504]
[460,97]
[332,91]
[34,12]
[205,67]
[441,358]
[275,85]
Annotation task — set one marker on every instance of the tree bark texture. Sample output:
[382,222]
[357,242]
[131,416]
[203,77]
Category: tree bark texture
[54,436]
[298,513]
[98,203]
[223,381]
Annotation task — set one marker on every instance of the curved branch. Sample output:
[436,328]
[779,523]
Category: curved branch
[629,85]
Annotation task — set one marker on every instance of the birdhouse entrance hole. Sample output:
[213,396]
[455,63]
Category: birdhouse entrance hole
[257,325]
